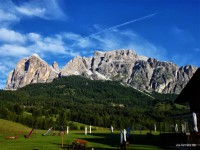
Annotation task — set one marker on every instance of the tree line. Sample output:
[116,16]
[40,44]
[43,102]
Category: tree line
[97,103]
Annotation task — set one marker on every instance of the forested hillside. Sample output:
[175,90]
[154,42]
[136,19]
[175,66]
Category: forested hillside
[75,98]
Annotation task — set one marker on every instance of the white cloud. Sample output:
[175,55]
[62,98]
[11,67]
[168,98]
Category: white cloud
[143,46]
[34,37]
[52,44]
[12,12]
[9,62]
[18,44]
[73,53]
[39,12]
[6,66]
[7,16]
[3,70]
[83,43]
[76,40]
[69,43]
[13,50]
[49,47]
[116,39]
[43,9]
[72,36]
[11,36]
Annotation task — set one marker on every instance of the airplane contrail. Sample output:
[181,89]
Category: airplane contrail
[120,25]
[117,26]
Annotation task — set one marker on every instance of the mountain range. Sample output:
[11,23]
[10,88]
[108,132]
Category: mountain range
[125,66]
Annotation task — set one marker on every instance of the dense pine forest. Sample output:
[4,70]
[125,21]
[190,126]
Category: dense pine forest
[77,99]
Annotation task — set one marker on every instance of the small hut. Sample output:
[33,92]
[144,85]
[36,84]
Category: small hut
[191,94]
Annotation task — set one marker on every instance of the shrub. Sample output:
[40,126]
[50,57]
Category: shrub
[79,144]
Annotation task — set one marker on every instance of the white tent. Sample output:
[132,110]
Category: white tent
[85,130]
[176,128]
[67,129]
[125,135]
[90,129]
[155,127]
[111,129]
[195,121]
[121,136]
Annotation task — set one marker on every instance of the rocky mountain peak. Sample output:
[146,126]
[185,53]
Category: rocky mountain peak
[126,66]
[118,54]
[35,55]
[55,66]
[30,70]
[77,66]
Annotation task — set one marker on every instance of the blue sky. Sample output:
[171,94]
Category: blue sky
[168,30]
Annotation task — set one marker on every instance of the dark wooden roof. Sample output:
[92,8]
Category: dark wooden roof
[191,93]
[185,115]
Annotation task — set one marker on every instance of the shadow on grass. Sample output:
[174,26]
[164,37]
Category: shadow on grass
[59,144]
[112,141]
[153,140]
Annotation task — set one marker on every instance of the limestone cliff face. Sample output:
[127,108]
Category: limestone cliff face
[125,66]
[115,65]
[77,66]
[138,71]
[55,66]
[162,77]
[30,70]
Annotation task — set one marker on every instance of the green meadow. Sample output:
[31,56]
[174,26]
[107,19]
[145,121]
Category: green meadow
[100,139]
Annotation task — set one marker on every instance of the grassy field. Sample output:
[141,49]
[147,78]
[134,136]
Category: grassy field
[12,128]
[98,140]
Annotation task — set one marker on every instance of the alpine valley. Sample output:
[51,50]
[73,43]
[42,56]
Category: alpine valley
[117,87]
